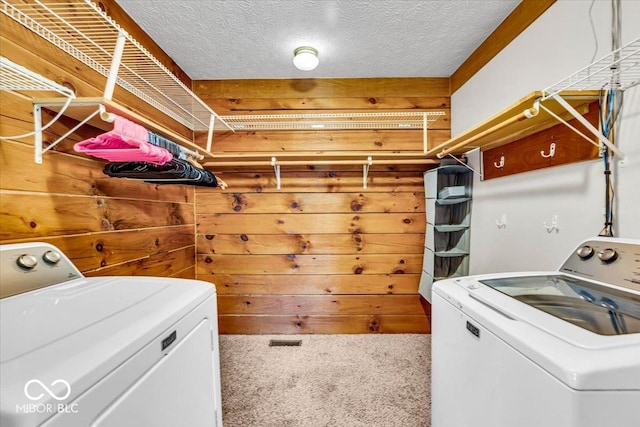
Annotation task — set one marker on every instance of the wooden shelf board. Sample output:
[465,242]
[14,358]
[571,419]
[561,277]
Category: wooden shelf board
[81,108]
[520,128]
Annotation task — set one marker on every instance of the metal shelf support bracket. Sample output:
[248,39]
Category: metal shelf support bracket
[276,169]
[365,171]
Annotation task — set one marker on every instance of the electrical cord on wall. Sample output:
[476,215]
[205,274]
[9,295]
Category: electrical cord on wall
[610,106]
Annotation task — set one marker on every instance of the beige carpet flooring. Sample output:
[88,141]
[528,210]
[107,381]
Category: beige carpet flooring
[330,380]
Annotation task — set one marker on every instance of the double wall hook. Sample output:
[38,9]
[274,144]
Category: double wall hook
[502,222]
[552,151]
[553,226]
[501,164]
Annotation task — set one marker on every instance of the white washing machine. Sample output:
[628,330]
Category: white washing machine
[104,351]
[557,349]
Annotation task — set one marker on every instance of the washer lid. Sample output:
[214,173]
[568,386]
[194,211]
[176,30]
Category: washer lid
[600,309]
[81,330]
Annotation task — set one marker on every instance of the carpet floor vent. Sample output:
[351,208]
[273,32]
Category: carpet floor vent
[285,343]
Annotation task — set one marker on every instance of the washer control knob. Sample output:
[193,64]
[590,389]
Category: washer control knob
[585,252]
[608,255]
[51,257]
[27,261]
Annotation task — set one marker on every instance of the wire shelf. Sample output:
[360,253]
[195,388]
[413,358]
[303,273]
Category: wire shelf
[618,70]
[344,121]
[16,78]
[85,32]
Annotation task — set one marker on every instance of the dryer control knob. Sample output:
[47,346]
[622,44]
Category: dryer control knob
[27,261]
[608,255]
[585,252]
[51,257]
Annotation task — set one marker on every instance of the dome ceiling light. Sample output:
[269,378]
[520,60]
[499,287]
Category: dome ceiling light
[305,58]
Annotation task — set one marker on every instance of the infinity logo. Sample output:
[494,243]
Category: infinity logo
[52,394]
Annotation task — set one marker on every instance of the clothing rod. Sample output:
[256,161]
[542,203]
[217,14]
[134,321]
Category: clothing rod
[446,151]
[324,162]
[109,117]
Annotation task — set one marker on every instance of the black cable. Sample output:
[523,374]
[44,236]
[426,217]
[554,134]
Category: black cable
[611,108]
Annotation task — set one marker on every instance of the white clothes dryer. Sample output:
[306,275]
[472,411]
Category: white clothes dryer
[104,351]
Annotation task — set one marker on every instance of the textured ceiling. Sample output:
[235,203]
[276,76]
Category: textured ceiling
[253,39]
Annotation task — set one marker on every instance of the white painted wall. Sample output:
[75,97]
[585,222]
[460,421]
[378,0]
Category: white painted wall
[559,43]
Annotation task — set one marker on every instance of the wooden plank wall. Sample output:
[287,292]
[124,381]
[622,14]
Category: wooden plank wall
[107,226]
[322,255]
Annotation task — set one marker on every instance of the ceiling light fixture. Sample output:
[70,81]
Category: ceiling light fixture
[305,58]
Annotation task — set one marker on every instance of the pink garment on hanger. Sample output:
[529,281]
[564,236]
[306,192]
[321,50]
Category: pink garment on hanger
[127,142]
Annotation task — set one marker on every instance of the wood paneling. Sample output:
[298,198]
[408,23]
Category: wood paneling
[310,202]
[314,284]
[230,106]
[314,244]
[312,223]
[348,88]
[309,264]
[97,250]
[25,215]
[332,324]
[319,304]
[163,264]
[322,254]
[514,24]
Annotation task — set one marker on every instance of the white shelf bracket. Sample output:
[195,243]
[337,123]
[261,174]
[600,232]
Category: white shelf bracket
[15,79]
[112,78]
[276,169]
[466,165]
[37,120]
[212,121]
[588,125]
[37,128]
[424,132]
[365,172]
[569,125]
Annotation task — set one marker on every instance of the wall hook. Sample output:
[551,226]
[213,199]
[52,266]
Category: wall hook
[501,164]
[553,226]
[552,151]
[502,222]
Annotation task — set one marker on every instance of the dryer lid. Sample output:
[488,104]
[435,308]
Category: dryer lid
[81,330]
[37,319]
